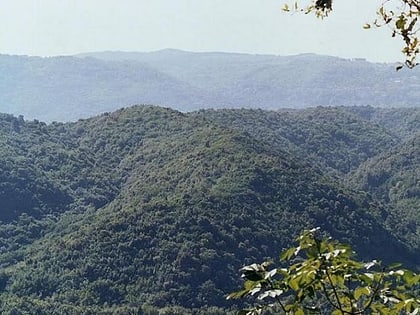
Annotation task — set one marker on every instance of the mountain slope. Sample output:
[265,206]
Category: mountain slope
[394,179]
[86,87]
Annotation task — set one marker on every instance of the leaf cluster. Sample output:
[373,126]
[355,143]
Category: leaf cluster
[322,277]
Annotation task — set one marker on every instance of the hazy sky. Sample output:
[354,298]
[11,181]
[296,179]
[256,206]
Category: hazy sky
[61,27]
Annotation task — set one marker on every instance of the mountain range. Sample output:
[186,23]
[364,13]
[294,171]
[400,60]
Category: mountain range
[151,210]
[73,87]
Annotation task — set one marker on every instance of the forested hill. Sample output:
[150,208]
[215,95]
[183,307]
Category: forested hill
[152,211]
[94,83]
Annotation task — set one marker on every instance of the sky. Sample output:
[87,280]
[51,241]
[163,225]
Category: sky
[65,27]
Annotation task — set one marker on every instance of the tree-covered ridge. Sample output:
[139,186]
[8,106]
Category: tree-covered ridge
[160,208]
[402,122]
[332,136]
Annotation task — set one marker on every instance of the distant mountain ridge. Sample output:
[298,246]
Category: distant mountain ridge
[74,87]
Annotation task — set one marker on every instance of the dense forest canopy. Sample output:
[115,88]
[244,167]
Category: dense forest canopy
[151,210]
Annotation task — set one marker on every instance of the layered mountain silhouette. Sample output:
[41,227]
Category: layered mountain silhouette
[73,87]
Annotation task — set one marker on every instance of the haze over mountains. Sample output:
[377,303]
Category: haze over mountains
[69,88]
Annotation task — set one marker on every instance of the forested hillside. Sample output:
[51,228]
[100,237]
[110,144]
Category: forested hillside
[394,178]
[94,83]
[147,210]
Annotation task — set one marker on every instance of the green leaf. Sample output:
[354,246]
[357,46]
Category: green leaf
[400,23]
[361,291]
[294,283]
[366,278]
[299,311]
[394,265]
[237,294]
[410,277]
[286,255]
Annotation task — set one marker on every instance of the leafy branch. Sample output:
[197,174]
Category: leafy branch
[322,276]
[401,16]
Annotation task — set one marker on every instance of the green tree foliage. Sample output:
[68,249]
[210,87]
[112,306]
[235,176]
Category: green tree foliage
[401,15]
[321,276]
